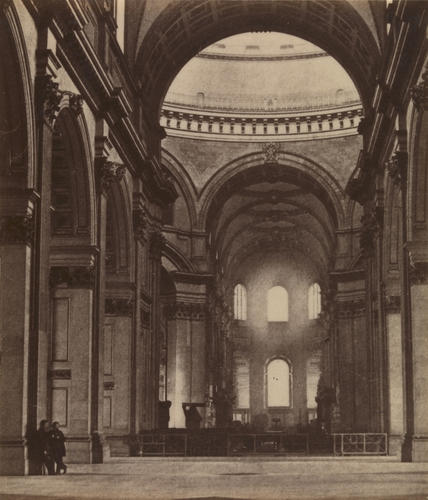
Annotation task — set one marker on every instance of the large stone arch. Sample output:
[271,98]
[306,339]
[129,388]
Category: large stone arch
[17,129]
[297,167]
[184,28]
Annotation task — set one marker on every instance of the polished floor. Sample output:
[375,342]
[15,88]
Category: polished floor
[244,478]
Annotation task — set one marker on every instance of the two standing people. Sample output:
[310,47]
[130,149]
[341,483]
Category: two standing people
[49,447]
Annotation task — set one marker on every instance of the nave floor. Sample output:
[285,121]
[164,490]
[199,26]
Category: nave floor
[237,478]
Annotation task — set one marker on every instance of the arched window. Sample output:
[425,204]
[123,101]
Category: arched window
[277,304]
[278,383]
[314,301]
[240,302]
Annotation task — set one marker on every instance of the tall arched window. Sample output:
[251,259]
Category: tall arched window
[277,304]
[278,383]
[240,302]
[314,301]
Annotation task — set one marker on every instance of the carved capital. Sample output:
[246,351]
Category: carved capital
[119,307]
[50,97]
[140,223]
[271,152]
[419,93]
[76,277]
[76,103]
[17,229]
[397,167]
[109,173]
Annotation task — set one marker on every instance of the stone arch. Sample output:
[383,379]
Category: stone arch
[73,180]
[179,261]
[297,167]
[186,186]
[184,28]
[17,127]
[119,246]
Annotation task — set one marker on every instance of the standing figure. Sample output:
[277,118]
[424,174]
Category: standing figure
[57,442]
[41,449]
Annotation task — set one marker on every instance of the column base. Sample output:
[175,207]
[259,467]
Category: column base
[395,445]
[14,459]
[420,449]
[120,445]
[79,449]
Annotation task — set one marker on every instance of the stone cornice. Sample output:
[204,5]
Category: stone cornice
[267,127]
[72,277]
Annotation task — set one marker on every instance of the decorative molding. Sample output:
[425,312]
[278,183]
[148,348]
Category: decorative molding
[17,229]
[108,173]
[186,310]
[271,152]
[59,374]
[351,308]
[76,277]
[119,307]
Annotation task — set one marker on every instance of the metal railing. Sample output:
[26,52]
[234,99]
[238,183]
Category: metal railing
[360,444]
[211,442]
[269,443]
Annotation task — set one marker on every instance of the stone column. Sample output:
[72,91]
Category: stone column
[352,345]
[107,173]
[372,251]
[137,382]
[16,237]
[187,368]
[395,373]
[418,277]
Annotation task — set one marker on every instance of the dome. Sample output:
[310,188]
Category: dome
[259,72]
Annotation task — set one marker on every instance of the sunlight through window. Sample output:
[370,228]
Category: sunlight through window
[278,383]
[240,302]
[314,301]
[277,304]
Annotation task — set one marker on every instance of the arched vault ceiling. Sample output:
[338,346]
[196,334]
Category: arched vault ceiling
[183,28]
[273,205]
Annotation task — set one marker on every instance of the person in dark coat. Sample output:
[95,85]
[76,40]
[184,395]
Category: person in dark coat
[57,443]
[41,448]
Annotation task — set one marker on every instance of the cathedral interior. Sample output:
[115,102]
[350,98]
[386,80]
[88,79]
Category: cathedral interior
[214,227]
